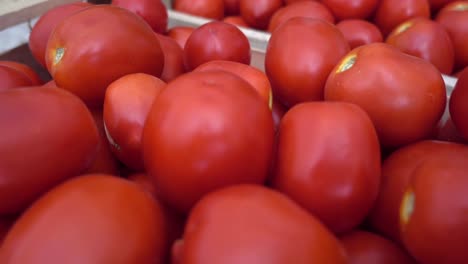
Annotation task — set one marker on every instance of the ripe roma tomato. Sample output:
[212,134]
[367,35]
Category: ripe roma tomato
[180,34]
[236,21]
[315,46]
[351,9]
[205,8]
[309,9]
[454,17]
[458,104]
[368,248]
[26,69]
[309,170]
[173,58]
[76,52]
[43,28]
[232,7]
[433,212]
[12,78]
[252,224]
[409,100]
[126,106]
[252,75]
[48,135]
[154,12]
[359,32]
[397,171]
[95,218]
[206,130]
[426,39]
[258,13]
[391,13]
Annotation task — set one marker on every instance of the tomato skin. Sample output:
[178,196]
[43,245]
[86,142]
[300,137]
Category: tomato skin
[390,13]
[41,126]
[258,13]
[359,32]
[426,39]
[236,20]
[103,211]
[397,100]
[43,28]
[200,134]
[75,51]
[458,107]
[315,47]
[367,248]
[454,17]
[218,230]
[173,58]
[180,34]
[309,9]
[12,78]
[351,9]
[205,8]
[154,12]
[308,170]
[26,69]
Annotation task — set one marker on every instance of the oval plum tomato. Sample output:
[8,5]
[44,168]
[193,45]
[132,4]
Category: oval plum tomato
[43,28]
[258,13]
[85,220]
[315,46]
[206,130]
[309,170]
[231,7]
[411,92]
[391,13]
[216,41]
[76,51]
[26,69]
[49,130]
[458,104]
[351,9]
[433,213]
[126,106]
[173,58]
[426,39]
[252,75]
[253,224]
[454,17]
[180,34]
[309,9]
[205,8]
[12,78]
[154,12]
[368,248]
[397,171]
[236,21]
[359,32]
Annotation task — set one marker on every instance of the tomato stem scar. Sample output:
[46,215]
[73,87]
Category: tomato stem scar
[461,7]
[403,27]
[407,207]
[59,52]
[270,100]
[347,63]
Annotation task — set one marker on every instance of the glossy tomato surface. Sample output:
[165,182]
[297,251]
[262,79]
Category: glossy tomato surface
[24,68]
[359,32]
[76,51]
[458,104]
[154,12]
[173,58]
[351,9]
[180,34]
[206,130]
[87,220]
[300,55]
[390,14]
[252,224]
[12,78]
[258,13]
[48,135]
[213,9]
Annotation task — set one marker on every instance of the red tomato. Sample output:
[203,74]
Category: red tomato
[126,106]
[43,28]
[154,12]
[458,104]
[232,7]
[409,100]
[12,78]
[454,17]
[252,224]
[26,69]
[180,34]
[351,9]
[300,55]
[367,248]
[252,75]
[426,39]
[391,13]
[76,52]
[205,8]
[206,130]
[309,170]
[359,32]
[173,58]
[236,21]
[309,9]
[95,218]
[48,135]
[433,214]
[258,13]
[216,41]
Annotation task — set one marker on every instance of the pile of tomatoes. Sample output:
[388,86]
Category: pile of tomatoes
[152,144]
